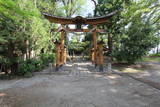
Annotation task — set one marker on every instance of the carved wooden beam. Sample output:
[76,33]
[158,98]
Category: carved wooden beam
[79,30]
[79,19]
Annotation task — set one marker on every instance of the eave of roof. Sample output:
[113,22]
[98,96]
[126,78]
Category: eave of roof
[79,19]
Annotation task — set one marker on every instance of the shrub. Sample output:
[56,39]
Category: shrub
[29,66]
[155,55]
[26,66]
[47,58]
[125,56]
[5,64]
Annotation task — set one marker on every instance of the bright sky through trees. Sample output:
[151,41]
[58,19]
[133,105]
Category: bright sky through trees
[87,9]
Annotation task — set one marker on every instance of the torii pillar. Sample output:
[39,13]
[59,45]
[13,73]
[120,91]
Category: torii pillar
[58,51]
[94,56]
[62,58]
[100,57]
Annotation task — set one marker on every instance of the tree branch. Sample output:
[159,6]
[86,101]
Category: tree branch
[95,4]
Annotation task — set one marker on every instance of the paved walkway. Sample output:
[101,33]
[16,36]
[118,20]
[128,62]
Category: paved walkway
[78,85]
[152,73]
[150,76]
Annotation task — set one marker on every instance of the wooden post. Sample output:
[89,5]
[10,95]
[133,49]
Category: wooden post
[100,58]
[65,55]
[62,46]
[94,45]
[92,55]
[57,56]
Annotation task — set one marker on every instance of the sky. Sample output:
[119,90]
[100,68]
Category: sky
[87,8]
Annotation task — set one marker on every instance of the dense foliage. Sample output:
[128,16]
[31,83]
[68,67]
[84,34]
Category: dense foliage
[77,46]
[26,40]
[133,31]
[24,33]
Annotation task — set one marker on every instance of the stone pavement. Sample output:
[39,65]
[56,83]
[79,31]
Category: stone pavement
[150,76]
[78,85]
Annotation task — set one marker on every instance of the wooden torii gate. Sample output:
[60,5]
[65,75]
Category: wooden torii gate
[96,51]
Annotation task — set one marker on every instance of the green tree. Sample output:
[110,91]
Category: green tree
[23,31]
[123,29]
[75,45]
[71,7]
[139,31]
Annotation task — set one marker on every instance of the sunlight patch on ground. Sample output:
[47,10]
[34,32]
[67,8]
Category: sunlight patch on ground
[158,73]
[1,73]
[83,64]
[97,76]
[146,74]
[113,76]
[2,94]
[131,70]
[113,90]
[86,71]
[69,65]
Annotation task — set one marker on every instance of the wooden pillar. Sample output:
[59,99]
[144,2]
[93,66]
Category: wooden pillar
[94,45]
[65,55]
[100,57]
[62,46]
[58,55]
[92,55]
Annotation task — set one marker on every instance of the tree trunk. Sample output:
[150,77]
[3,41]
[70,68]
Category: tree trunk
[13,63]
[157,48]
[27,49]
[29,53]
[95,10]
[110,46]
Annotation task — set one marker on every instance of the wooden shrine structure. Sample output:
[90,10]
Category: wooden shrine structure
[97,49]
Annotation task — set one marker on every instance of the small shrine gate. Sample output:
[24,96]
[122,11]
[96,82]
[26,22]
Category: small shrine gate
[97,50]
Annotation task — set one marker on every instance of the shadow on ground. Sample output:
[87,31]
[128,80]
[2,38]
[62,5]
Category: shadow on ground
[79,85]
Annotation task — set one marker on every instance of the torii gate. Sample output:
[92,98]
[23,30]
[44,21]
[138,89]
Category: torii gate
[96,51]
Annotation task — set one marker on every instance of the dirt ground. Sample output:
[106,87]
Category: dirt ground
[77,85]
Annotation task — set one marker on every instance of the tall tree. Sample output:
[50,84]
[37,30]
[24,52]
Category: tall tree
[23,30]
[121,24]
[71,7]
[139,32]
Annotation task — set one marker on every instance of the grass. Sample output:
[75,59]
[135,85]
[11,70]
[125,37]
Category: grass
[151,59]
[125,68]
[136,68]
[128,70]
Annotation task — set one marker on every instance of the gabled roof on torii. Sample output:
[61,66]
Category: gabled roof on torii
[79,19]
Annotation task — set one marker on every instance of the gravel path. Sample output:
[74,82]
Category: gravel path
[150,76]
[77,85]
